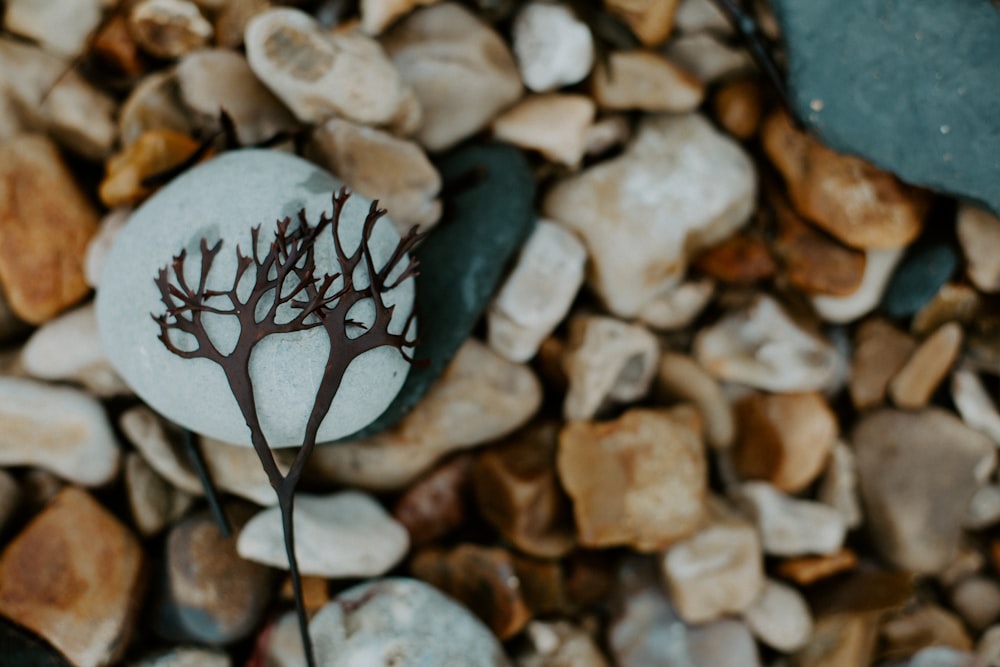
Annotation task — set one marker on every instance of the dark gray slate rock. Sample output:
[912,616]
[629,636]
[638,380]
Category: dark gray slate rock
[489,212]
[925,269]
[909,85]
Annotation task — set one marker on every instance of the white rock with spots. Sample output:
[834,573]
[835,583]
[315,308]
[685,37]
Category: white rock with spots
[553,47]
[792,527]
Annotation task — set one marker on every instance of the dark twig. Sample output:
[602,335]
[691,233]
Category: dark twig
[211,493]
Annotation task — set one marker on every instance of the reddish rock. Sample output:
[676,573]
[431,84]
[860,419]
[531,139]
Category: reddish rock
[740,260]
[74,576]
[737,105]
[805,570]
[435,504]
[115,47]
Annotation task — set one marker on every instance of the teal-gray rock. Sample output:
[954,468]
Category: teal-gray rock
[910,86]
[926,267]
[20,648]
[488,214]
[222,200]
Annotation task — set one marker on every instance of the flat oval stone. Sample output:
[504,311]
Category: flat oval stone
[222,200]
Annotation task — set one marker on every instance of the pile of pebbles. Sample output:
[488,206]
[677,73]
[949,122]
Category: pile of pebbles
[733,403]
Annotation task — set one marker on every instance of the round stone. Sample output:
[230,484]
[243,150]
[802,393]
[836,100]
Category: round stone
[222,200]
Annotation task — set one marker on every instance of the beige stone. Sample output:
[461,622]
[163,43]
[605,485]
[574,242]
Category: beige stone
[377,15]
[979,234]
[169,28]
[790,526]
[974,404]
[554,48]
[709,57]
[437,503]
[58,27]
[100,244]
[907,632]
[679,307]
[639,480]
[840,639]
[645,81]
[880,350]
[780,617]
[952,303]
[879,267]
[553,124]
[918,378]
[839,485]
[153,501]
[681,377]
[650,20]
[559,644]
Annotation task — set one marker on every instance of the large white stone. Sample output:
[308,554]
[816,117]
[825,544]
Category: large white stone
[222,200]
[553,47]
[792,527]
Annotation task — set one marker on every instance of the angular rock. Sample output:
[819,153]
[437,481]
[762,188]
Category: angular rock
[554,124]
[681,377]
[839,486]
[645,81]
[346,534]
[607,133]
[679,187]
[69,348]
[913,384]
[403,620]
[646,630]
[380,166]
[154,104]
[436,504]
[793,527]
[703,16]
[208,593]
[564,587]
[805,570]
[212,80]
[153,152]
[318,74]
[879,265]
[779,617]
[650,20]
[46,222]
[742,259]
[918,472]
[851,199]
[554,48]
[73,575]
[153,501]
[62,30]
[785,439]
[461,71]
[559,644]
[762,347]
[737,106]
[606,360]
[974,404]
[679,307]
[616,501]
[60,429]
[880,350]
[517,491]
[708,57]
[978,232]
[168,28]
[537,293]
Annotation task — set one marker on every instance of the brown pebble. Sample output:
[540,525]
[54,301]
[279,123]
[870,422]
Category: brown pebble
[805,570]
[650,20]
[115,47]
[315,592]
[952,303]
[911,630]
[840,640]
[435,505]
[153,152]
[737,106]
[880,350]
[913,385]
[739,260]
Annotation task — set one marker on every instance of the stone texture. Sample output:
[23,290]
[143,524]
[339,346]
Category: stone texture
[168,28]
[100,244]
[537,293]
[63,30]
[186,656]
[645,629]
[737,105]
[779,617]
[554,124]
[953,302]
[974,404]
[913,384]
[679,187]
[645,81]
[849,198]
[918,472]
[554,48]
[152,500]
[708,57]
[222,199]
[518,492]
[723,642]
[977,600]
[154,104]
[403,620]
[943,656]
[559,644]
[681,377]
[840,639]
[784,439]
[792,527]
[978,232]
[805,570]
[606,361]
[380,166]
[762,347]
[679,307]
[116,48]
[60,429]
[984,508]
[879,267]
[926,625]
[742,259]
[461,71]
[436,504]
[616,501]
[924,270]
[650,20]
[501,395]
[377,15]
[347,534]
[74,577]
[838,487]
[45,224]
[320,74]
[152,152]
[880,350]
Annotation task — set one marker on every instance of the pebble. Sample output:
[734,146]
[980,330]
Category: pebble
[857,203]
[879,265]
[780,617]
[559,644]
[553,47]
[701,16]
[805,570]
[943,656]
[650,20]
[73,575]
[168,28]
[60,429]
[538,292]
[517,491]
[153,152]
[606,360]
[319,74]
[978,232]
[381,166]
[880,350]
[460,69]
[212,80]
[10,497]
[232,18]
[918,472]
[101,243]
[988,647]
[616,502]
[977,600]
[645,81]
[208,593]
[377,15]
[59,30]
[737,105]
[743,259]
[952,303]
[723,642]
[762,347]
[681,377]
[679,307]
[984,508]
[222,199]
[114,47]
[911,630]
[154,104]
[436,504]
[553,124]
[717,571]
[46,222]
[925,269]
[790,526]
[913,385]
[838,487]
[846,638]
[502,395]
[606,133]
[186,657]
[481,578]
[974,404]
[69,348]
[785,439]
[709,58]
[402,620]
[645,629]
[153,501]
[346,534]
[679,187]
[283,643]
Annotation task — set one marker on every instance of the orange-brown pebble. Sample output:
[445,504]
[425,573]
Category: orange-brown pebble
[650,20]
[805,570]
[114,46]
[740,260]
[737,106]
[315,592]
[155,151]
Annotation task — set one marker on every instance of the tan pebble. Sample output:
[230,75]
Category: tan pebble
[169,28]
[553,124]
[838,487]
[377,15]
[839,640]
[737,106]
[742,259]
[154,104]
[780,617]
[915,382]
[805,570]
[231,20]
[155,151]
[642,80]
[315,593]
[880,350]
[952,303]
[979,234]
[910,630]
[681,377]
[650,20]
